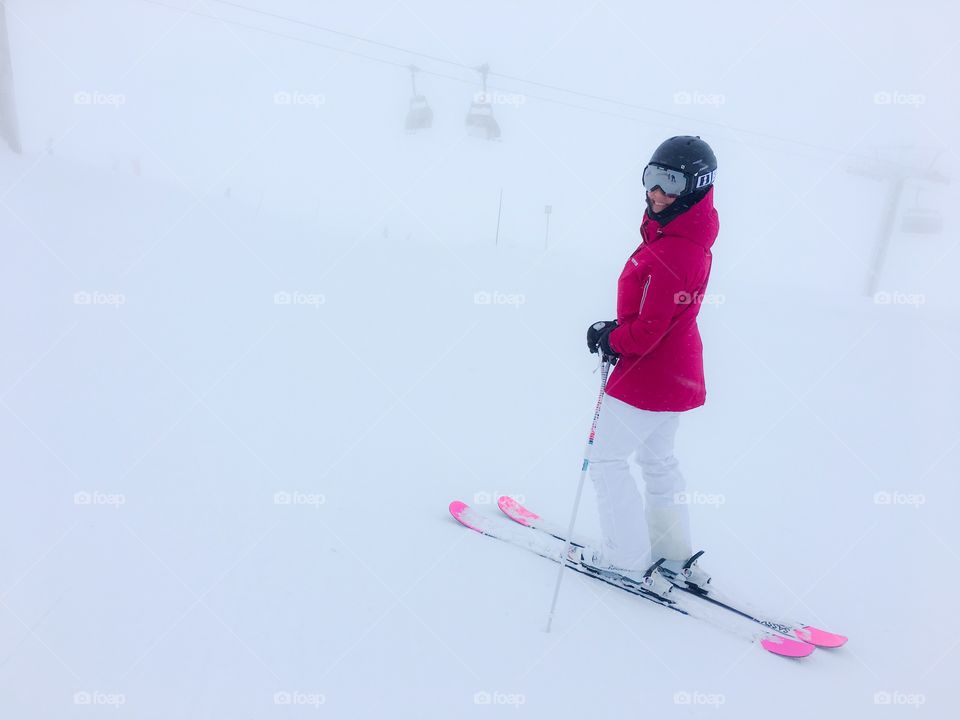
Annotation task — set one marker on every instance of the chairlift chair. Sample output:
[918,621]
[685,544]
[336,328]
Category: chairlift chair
[921,221]
[480,120]
[419,116]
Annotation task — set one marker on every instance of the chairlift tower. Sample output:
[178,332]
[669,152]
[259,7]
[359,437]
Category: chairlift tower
[897,172]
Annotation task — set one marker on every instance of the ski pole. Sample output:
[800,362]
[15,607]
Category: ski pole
[604,370]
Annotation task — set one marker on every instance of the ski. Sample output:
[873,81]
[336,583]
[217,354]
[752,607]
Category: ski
[801,631]
[551,548]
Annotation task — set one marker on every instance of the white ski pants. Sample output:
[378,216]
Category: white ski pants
[637,531]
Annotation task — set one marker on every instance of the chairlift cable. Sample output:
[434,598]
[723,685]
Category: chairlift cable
[351,36]
[383,61]
[545,86]
[505,76]
[286,36]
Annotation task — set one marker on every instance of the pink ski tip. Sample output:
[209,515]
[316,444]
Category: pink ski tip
[820,638]
[516,511]
[457,509]
[786,647]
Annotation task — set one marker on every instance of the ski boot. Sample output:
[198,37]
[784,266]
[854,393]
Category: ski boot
[650,580]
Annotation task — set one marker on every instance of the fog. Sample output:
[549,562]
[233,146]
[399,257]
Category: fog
[259,332]
[790,96]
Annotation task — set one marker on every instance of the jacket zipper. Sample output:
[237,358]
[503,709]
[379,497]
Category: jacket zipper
[643,298]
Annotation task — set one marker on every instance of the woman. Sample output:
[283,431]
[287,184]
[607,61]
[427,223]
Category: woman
[656,347]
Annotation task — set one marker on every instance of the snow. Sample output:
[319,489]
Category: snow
[228,459]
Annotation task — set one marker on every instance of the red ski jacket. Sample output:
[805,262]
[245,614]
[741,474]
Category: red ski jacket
[658,298]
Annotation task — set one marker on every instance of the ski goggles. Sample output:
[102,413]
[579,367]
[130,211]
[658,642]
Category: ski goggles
[673,183]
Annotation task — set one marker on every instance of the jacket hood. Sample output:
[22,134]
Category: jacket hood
[699,224]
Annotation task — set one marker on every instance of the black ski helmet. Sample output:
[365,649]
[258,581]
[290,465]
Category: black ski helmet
[689,155]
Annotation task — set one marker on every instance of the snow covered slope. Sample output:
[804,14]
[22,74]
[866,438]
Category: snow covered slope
[252,349]
[214,495]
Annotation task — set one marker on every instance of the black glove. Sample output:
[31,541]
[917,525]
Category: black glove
[598,340]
